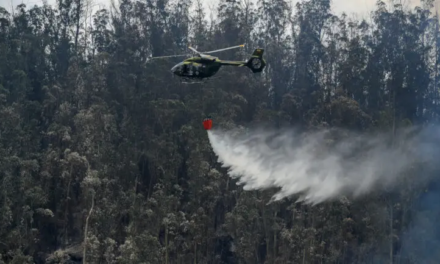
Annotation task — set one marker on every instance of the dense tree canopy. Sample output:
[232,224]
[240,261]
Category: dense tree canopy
[103,158]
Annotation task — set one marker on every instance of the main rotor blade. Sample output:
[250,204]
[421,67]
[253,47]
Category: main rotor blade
[193,49]
[214,51]
[170,56]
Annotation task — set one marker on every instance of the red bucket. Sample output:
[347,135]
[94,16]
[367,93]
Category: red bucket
[207,123]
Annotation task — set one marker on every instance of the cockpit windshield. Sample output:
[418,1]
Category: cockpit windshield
[186,69]
[177,68]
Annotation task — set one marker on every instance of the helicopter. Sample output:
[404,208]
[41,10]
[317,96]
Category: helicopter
[203,66]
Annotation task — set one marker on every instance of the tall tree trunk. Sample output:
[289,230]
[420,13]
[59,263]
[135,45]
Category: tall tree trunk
[78,16]
[86,229]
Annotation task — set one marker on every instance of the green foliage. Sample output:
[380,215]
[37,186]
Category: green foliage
[95,136]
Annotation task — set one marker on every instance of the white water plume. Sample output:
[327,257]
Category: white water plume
[318,166]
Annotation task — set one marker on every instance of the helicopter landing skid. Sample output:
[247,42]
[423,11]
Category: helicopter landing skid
[192,81]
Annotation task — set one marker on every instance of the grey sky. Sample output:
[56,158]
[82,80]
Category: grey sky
[358,7]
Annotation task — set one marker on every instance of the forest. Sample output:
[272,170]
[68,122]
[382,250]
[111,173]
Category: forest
[103,157]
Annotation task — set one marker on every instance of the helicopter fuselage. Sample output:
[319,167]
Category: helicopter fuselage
[197,67]
[204,66]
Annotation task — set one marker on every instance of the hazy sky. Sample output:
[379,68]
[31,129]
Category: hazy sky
[359,7]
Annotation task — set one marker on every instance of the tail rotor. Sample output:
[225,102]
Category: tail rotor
[256,62]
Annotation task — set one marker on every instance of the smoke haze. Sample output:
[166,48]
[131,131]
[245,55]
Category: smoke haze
[322,165]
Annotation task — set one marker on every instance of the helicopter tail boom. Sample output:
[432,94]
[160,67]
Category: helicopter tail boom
[233,63]
[256,62]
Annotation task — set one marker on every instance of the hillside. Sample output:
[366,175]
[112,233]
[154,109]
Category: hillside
[103,157]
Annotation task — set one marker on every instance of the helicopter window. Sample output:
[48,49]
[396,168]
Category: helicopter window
[185,68]
[188,69]
[193,69]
